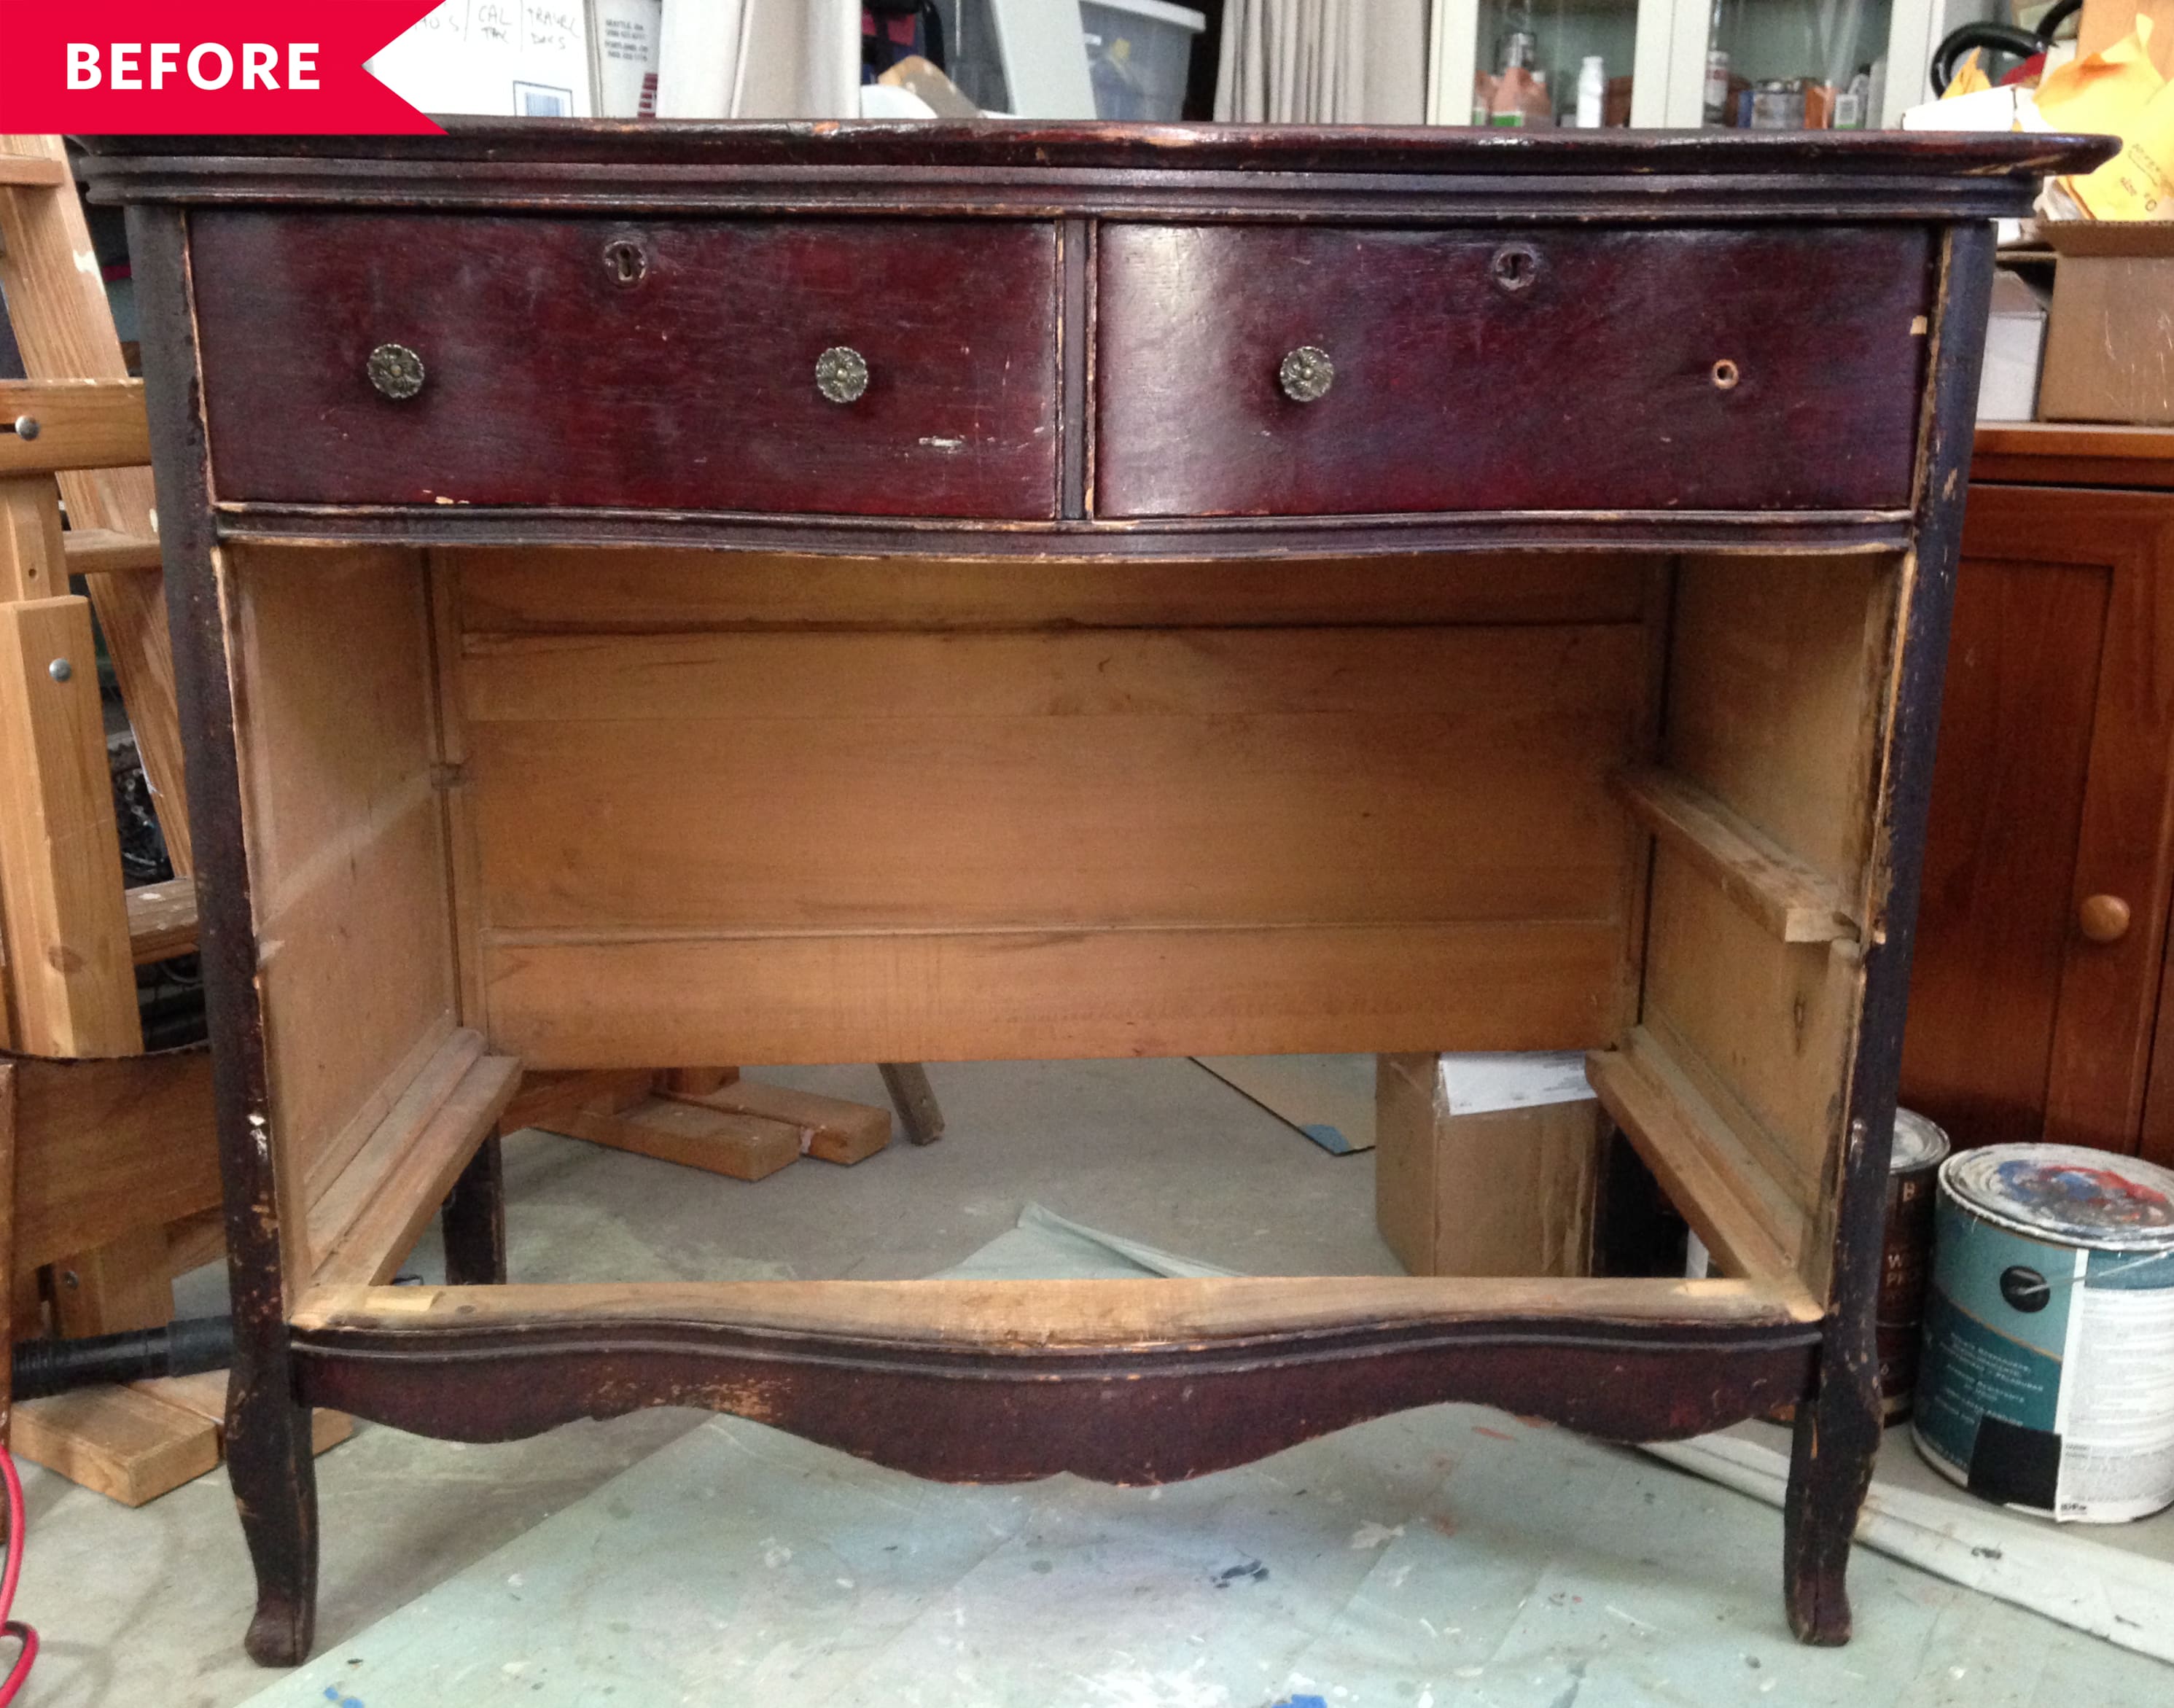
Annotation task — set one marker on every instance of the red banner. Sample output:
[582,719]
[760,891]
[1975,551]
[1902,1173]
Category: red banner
[215,68]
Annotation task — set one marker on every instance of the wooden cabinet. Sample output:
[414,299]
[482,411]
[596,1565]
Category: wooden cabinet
[2036,996]
[604,690]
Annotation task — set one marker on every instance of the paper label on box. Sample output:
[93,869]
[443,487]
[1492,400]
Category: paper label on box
[1474,1084]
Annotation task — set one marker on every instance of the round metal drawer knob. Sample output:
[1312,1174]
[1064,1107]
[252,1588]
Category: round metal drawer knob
[841,374]
[397,371]
[2103,918]
[1306,374]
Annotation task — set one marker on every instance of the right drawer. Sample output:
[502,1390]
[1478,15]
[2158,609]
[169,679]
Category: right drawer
[1288,370]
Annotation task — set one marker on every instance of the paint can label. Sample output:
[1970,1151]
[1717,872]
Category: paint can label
[2048,1373]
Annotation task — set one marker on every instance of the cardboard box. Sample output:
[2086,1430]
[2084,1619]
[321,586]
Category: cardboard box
[2109,337]
[1486,1165]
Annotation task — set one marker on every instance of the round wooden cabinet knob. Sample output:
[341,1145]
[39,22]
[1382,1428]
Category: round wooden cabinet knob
[841,374]
[2103,918]
[397,371]
[1306,374]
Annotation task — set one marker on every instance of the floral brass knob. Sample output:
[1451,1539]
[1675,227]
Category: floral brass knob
[1306,374]
[397,371]
[841,374]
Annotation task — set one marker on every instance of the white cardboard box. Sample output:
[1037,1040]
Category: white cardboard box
[2015,343]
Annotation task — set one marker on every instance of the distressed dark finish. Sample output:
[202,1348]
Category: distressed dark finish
[1489,370]
[1120,1416]
[270,1460]
[1837,1434]
[551,379]
[1051,203]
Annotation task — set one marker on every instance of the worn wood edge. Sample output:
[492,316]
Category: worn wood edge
[409,1194]
[1177,539]
[1054,1317]
[1701,1164]
[162,920]
[35,171]
[1791,898]
[744,1147]
[129,1446]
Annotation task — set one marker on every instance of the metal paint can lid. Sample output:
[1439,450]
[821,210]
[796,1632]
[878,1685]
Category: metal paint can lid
[1919,1143]
[2067,1194]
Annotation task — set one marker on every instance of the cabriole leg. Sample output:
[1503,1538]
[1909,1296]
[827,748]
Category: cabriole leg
[275,1487]
[1837,1437]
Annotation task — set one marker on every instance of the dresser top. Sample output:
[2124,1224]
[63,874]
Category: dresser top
[477,161]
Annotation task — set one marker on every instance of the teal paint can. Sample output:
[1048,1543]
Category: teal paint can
[2046,1374]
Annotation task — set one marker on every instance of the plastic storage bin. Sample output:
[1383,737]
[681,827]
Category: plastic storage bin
[1138,52]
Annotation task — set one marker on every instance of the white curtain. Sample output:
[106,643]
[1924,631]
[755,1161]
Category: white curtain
[1322,61]
[758,59]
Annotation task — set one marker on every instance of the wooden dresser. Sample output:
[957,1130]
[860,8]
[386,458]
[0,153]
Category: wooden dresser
[2039,1000]
[856,593]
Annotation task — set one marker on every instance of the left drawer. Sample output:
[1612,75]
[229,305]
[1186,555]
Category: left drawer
[842,367]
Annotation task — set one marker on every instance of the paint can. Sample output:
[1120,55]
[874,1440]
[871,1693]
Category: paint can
[2046,1379]
[1905,1263]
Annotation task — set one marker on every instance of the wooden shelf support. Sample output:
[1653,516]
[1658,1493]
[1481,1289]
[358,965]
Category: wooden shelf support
[1792,899]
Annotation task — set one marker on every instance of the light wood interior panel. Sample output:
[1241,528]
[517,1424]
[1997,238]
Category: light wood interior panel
[939,997]
[1778,689]
[335,704]
[810,810]
[1226,777]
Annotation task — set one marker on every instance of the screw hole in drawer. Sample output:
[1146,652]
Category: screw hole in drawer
[1725,374]
[626,262]
[1516,266]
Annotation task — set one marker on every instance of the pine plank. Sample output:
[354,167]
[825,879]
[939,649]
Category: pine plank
[744,1147]
[829,1128]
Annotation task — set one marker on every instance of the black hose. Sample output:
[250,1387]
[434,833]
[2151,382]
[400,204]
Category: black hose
[44,1367]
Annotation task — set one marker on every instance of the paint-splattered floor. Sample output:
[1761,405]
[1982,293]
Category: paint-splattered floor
[1450,1554]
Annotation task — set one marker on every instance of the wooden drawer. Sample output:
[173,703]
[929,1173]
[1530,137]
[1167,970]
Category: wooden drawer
[670,364]
[1542,368]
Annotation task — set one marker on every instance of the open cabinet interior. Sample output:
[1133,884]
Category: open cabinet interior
[627,808]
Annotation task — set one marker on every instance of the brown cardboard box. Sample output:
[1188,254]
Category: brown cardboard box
[2109,337]
[1498,1192]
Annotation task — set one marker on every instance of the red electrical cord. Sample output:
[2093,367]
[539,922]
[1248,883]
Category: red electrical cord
[13,1627]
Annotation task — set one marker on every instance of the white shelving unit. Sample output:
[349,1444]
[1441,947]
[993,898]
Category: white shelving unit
[1667,56]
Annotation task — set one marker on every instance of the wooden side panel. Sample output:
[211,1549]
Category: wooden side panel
[334,694]
[1776,688]
[885,782]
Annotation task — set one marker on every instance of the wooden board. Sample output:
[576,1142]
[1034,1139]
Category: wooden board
[1037,1316]
[63,328]
[828,1127]
[1793,902]
[127,1445]
[82,424]
[31,543]
[69,966]
[338,754]
[624,1001]
[204,1396]
[162,920]
[982,780]
[744,1147]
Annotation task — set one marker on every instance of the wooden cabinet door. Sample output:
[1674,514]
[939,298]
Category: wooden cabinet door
[2055,786]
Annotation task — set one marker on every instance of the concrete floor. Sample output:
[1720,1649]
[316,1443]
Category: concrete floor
[150,1604]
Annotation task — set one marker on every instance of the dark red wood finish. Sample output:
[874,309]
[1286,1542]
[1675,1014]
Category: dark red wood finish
[267,312]
[550,381]
[1493,369]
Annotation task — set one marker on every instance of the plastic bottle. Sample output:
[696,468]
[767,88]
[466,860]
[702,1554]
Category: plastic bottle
[1717,70]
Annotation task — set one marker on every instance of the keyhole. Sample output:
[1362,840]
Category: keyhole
[625,260]
[1515,266]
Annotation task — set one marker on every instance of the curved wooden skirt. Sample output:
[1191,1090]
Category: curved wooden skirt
[1119,1381]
